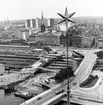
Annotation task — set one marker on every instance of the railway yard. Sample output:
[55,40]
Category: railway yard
[42,80]
[51,60]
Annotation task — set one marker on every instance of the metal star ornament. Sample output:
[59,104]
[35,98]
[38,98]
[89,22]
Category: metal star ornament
[66,17]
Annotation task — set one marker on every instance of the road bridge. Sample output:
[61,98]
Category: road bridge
[57,92]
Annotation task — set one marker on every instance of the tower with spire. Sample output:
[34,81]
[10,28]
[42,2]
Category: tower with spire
[42,17]
[42,25]
[44,21]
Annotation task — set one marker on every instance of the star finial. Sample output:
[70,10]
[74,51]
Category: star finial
[66,17]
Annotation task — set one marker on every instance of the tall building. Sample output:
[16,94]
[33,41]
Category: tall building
[46,22]
[36,23]
[42,17]
[27,23]
[30,23]
[42,28]
[50,22]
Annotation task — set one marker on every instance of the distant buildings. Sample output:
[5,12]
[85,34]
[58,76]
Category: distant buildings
[48,38]
[99,43]
[77,41]
[14,30]
[30,23]
[36,23]
[43,28]
[15,33]
[24,34]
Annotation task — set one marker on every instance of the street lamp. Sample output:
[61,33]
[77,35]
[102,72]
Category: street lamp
[67,18]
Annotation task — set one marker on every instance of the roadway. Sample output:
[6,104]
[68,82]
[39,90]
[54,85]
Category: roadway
[54,94]
[90,95]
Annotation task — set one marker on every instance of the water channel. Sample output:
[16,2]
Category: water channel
[9,99]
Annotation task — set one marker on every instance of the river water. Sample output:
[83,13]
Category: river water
[9,99]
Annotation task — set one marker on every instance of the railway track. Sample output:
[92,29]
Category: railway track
[56,93]
[17,61]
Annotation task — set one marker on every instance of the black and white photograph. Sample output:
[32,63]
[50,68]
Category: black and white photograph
[51,52]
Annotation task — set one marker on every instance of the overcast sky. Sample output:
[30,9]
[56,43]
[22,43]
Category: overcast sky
[24,9]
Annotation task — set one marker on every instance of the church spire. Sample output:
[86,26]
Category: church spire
[42,17]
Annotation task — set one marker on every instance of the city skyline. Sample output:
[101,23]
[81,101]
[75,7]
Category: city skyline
[25,9]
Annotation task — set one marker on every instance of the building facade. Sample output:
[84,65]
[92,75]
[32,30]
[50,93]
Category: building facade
[99,43]
[47,38]
[36,23]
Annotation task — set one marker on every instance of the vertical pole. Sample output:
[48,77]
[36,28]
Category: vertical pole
[68,99]
[66,19]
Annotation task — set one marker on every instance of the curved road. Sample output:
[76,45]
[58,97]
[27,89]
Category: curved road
[54,94]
